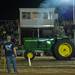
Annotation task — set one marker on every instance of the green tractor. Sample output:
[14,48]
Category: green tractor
[59,46]
[38,22]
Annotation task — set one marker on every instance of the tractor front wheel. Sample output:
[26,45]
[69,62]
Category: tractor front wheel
[29,54]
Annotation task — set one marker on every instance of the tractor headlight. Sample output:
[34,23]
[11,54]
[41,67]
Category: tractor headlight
[52,39]
[48,42]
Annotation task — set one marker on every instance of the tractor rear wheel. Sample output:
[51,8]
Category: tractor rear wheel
[63,50]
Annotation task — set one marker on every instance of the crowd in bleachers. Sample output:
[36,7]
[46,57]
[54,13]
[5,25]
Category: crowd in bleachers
[8,27]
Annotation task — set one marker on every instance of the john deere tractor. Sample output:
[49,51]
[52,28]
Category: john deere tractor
[59,46]
[33,23]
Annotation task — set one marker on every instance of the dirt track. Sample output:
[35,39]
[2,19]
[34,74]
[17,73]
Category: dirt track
[43,66]
[44,72]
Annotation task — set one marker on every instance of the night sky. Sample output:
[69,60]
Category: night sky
[9,9]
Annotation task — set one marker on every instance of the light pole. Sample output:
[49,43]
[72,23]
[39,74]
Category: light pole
[73,3]
[74,20]
[73,13]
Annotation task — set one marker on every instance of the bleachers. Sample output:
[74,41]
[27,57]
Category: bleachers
[8,27]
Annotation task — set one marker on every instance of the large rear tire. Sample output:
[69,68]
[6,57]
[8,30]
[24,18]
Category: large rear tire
[63,50]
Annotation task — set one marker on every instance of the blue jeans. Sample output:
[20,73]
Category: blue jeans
[11,60]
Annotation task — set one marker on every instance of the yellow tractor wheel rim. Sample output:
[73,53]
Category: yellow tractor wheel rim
[65,49]
[30,55]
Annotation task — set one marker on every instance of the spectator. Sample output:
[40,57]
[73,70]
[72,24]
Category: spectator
[10,54]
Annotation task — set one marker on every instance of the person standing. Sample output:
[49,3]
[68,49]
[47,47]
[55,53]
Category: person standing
[10,54]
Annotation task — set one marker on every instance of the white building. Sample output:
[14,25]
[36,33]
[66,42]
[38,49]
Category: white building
[36,18]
